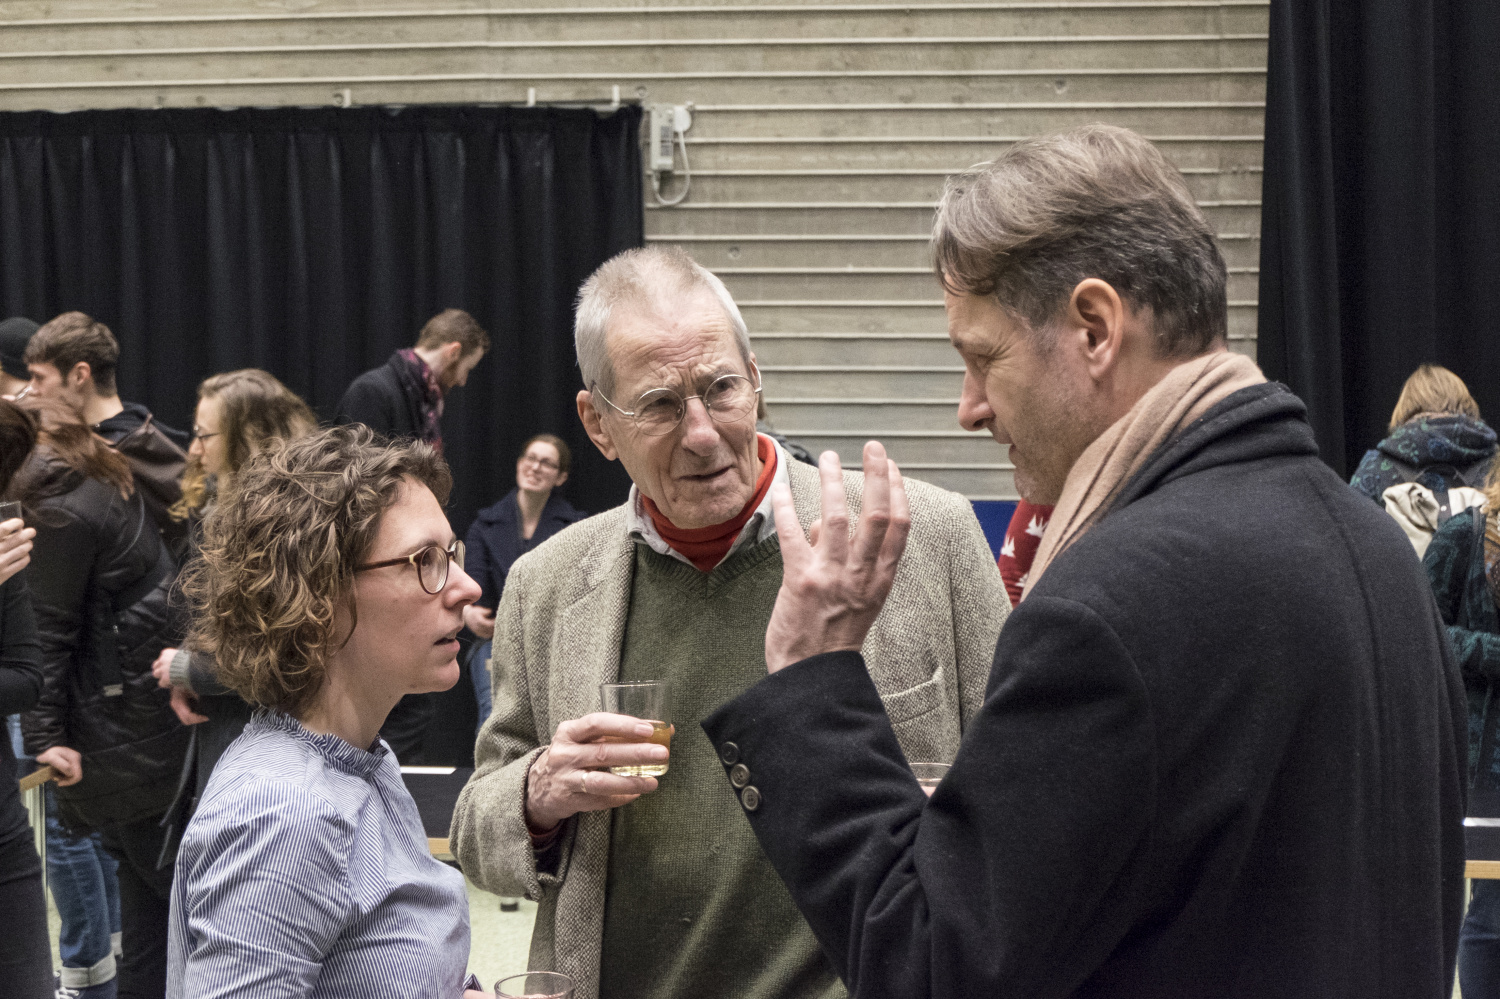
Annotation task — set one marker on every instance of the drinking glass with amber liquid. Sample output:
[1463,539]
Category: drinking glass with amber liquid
[648,700]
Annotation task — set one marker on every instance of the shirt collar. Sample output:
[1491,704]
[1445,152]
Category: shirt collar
[760,526]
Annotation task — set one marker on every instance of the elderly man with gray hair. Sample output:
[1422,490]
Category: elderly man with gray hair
[656,888]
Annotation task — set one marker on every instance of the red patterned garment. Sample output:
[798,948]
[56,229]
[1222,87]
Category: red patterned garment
[1027,525]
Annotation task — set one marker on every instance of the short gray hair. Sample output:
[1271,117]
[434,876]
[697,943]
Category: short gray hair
[635,276]
[1094,201]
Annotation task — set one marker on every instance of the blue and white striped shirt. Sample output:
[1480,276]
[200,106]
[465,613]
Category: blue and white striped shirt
[305,874]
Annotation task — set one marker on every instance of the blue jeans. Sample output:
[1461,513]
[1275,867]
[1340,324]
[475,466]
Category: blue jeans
[479,672]
[82,879]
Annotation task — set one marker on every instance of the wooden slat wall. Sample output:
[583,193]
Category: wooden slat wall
[822,135]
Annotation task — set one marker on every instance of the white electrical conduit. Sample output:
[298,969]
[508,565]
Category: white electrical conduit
[632,11]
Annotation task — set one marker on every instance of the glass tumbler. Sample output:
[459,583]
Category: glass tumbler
[535,985]
[929,775]
[648,700]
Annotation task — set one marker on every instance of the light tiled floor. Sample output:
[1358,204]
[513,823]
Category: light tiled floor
[499,941]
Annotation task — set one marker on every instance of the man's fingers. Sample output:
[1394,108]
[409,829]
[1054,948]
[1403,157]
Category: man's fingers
[900,528]
[833,539]
[604,724]
[794,547]
[603,784]
[875,509]
[591,755]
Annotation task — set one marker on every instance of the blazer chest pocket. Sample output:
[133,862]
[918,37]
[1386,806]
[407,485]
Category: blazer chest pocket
[925,723]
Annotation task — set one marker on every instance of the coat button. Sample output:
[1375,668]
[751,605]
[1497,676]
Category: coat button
[729,753]
[750,798]
[739,775]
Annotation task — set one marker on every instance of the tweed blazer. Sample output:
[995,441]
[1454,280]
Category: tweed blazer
[558,635]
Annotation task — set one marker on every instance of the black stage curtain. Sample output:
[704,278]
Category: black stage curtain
[1380,233]
[313,242]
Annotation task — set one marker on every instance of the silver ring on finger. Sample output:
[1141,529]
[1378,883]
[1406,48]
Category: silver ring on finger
[583,782]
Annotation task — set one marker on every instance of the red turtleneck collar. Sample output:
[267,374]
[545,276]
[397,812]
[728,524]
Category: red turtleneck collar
[706,547]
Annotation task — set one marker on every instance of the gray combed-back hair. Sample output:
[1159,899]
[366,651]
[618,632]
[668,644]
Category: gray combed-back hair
[1094,201]
[638,277]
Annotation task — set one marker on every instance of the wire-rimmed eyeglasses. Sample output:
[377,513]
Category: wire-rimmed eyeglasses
[431,562]
[658,411]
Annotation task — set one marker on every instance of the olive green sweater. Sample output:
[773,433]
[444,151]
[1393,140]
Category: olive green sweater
[692,908]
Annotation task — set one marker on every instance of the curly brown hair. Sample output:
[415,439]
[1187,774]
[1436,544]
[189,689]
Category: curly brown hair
[277,559]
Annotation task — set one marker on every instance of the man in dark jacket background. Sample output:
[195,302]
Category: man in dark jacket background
[1221,751]
[404,398]
[72,359]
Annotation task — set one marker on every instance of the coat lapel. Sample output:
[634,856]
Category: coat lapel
[588,634]
[587,638]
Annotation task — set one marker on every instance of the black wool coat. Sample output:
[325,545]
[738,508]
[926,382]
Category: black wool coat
[377,399]
[1221,755]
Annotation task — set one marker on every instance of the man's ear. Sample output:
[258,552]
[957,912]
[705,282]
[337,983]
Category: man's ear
[79,375]
[1098,313]
[451,352]
[595,426]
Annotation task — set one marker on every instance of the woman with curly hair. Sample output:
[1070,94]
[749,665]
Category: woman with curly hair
[239,414]
[329,585]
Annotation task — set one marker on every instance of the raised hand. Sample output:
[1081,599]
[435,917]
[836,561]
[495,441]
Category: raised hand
[572,775]
[833,588]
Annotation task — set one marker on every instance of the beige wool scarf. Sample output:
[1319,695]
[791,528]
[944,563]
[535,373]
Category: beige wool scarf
[1186,393]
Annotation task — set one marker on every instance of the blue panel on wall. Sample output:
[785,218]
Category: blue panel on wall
[994,518]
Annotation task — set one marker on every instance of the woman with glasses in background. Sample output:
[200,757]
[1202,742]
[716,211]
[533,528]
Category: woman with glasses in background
[528,515]
[329,585]
[239,414]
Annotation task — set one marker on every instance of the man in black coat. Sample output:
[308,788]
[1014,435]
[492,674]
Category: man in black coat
[1221,751]
[404,398]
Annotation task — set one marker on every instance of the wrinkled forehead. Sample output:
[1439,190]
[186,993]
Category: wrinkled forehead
[672,340]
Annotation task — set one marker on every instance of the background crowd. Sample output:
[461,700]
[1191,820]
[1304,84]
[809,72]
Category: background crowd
[95,681]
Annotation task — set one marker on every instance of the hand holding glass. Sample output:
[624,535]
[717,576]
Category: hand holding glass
[649,701]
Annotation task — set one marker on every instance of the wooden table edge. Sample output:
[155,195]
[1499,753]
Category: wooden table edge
[1482,869]
[439,848]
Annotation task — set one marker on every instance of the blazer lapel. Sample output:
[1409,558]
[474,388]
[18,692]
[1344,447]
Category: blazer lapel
[588,634]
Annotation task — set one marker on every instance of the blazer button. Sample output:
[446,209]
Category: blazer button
[729,753]
[750,798]
[739,775]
